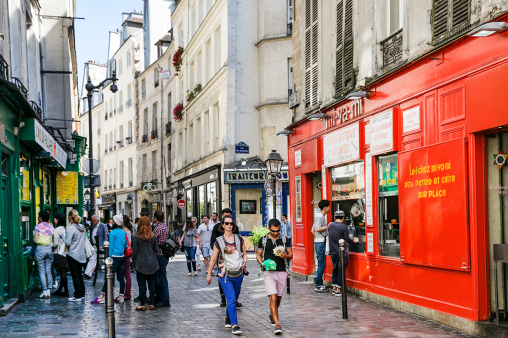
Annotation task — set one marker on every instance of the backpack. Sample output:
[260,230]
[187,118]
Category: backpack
[264,239]
[229,260]
[169,248]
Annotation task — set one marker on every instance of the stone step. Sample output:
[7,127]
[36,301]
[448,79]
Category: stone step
[8,306]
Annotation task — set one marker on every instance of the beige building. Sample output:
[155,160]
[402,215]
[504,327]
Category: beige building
[233,85]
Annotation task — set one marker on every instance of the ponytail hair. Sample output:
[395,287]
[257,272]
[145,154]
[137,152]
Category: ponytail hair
[75,218]
[127,223]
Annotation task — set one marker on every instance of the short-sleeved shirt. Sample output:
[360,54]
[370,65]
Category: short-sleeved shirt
[226,243]
[176,225]
[189,239]
[270,245]
[205,233]
[319,222]
[162,233]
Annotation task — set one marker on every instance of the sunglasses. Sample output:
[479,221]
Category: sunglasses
[229,223]
[276,231]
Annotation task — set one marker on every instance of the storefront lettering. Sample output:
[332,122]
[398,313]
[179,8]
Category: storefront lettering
[342,146]
[429,181]
[381,133]
[344,114]
[251,177]
[501,190]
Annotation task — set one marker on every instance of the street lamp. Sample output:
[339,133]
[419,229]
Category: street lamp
[87,195]
[90,88]
[273,167]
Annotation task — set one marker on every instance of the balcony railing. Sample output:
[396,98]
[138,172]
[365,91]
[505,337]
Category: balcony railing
[106,116]
[105,151]
[120,144]
[4,68]
[114,186]
[20,86]
[290,28]
[168,128]
[120,110]
[129,103]
[111,114]
[154,133]
[144,138]
[121,185]
[391,48]
[128,140]
[130,183]
[110,187]
[36,108]
[110,149]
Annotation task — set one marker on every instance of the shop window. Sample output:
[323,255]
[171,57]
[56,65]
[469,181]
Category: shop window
[298,190]
[211,198]
[201,192]
[47,187]
[348,195]
[389,244]
[189,202]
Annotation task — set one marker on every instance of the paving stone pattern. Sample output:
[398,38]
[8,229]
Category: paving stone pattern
[195,312]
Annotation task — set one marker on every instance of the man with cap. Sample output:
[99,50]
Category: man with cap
[337,230]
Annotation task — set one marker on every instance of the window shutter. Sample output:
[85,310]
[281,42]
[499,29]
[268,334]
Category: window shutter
[450,18]
[311,52]
[344,73]
[460,13]
[440,17]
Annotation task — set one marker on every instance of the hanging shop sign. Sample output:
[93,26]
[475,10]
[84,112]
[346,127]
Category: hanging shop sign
[164,74]
[34,131]
[382,130]
[500,159]
[344,113]
[67,187]
[411,119]
[242,148]
[298,158]
[343,145]
[252,176]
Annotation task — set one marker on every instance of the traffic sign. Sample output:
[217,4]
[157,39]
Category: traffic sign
[85,166]
[181,204]
[269,186]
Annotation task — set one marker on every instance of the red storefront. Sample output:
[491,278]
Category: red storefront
[412,167]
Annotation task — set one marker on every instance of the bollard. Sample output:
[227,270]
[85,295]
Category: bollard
[288,285]
[343,274]
[110,303]
[106,249]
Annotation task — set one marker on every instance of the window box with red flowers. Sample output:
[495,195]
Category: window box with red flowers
[177,59]
[178,112]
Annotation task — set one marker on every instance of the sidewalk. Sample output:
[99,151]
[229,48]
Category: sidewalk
[195,312]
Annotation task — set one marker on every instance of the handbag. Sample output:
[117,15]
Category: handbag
[89,249]
[128,251]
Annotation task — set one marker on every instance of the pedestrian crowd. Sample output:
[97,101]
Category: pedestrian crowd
[145,247]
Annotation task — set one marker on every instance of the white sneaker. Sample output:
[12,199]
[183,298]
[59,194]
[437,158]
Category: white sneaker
[42,295]
[55,284]
[74,299]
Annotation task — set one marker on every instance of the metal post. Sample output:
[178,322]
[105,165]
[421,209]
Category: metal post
[106,249]
[343,273]
[110,303]
[90,90]
[162,146]
[274,197]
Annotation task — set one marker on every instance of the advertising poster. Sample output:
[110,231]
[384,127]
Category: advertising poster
[26,185]
[381,133]
[67,187]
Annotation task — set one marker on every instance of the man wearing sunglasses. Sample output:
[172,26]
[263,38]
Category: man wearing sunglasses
[276,247]
[205,233]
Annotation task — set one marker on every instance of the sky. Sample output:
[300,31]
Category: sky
[101,17]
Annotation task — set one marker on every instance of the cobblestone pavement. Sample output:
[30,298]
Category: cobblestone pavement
[195,312]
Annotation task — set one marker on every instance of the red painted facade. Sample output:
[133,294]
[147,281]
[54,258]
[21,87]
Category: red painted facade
[443,264]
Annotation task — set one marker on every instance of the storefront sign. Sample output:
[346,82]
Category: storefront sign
[181,204]
[411,119]
[433,205]
[344,113]
[251,176]
[381,133]
[48,143]
[164,74]
[242,148]
[205,178]
[298,158]
[368,190]
[342,145]
[67,187]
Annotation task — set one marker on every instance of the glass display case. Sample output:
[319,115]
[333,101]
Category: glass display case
[388,183]
[348,194]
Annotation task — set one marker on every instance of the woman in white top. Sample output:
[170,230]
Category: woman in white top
[59,255]
[127,227]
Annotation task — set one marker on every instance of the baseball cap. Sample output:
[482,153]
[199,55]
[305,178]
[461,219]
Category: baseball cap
[339,213]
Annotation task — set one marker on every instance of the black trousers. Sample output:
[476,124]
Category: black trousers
[142,279]
[77,278]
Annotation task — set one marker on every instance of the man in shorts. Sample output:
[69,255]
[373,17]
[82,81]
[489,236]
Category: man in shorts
[205,233]
[275,279]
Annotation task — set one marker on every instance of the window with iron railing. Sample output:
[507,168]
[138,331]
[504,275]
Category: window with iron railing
[154,133]
[20,86]
[391,48]
[36,108]
[144,138]
[128,140]
[4,68]
[168,128]
[120,144]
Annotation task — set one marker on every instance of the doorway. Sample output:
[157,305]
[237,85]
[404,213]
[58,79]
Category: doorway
[4,231]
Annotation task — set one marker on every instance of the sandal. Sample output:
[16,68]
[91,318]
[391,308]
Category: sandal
[195,273]
[152,307]
[190,274]
[141,308]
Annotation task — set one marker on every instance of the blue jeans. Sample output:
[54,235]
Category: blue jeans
[162,280]
[190,253]
[321,258]
[337,272]
[142,279]
[44,258]
[119,270]
[232,287]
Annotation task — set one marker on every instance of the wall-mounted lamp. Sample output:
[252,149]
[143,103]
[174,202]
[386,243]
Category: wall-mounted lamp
[285,132]
[358,95]
[488,29]
[317,116]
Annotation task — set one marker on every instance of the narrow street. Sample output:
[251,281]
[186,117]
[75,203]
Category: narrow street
[195,312]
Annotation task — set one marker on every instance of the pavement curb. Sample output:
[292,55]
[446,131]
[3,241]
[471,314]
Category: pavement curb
[8,306]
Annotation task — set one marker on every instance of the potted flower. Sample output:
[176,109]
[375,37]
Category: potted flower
[190,96]
[178,112]
[177,59]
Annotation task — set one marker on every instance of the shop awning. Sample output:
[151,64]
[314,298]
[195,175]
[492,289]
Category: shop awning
[105,206]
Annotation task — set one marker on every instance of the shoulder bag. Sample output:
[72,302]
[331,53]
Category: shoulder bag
[128,251]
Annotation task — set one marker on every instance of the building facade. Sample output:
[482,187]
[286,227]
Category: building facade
[40,154]
[394,137]
[232,96]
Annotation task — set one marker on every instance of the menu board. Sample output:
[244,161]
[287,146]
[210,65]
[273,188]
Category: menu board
[368,190]
[381,133]
[298,189]
[67,187]
[25,189]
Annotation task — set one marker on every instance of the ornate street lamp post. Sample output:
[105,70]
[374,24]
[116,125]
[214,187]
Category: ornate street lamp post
[273,167]
[90,88]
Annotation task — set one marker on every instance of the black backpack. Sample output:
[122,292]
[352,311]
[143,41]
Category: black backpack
[169,248]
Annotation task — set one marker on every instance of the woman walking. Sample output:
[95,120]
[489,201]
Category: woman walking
[117,246]
[42,236]
[75,240]
[231,285]
[60,255]
[190,240]
[144,247]
[127,227]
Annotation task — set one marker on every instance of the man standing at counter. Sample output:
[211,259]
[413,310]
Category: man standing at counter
[320,231]
[338,230]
